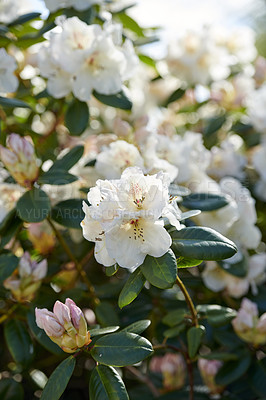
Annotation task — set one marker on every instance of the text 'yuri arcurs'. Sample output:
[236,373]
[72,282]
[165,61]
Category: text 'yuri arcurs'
[125,218]
[66,325]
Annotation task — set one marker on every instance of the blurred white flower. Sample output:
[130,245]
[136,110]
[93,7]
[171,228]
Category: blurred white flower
[256,104]
[124,218]
[12,9]
[10,193]
[113,160]
[259,163]
[8,81]
[79,5]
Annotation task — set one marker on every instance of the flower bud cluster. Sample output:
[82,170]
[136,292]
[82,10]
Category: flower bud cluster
[66,325]
[208,370]
[248,325]
[173,369]
[26,280]
[20,160]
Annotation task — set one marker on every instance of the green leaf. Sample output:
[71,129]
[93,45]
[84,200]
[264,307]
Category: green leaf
[234,369]
[118,100]
[68,213]
[59,379]
[132,288]
[147,60]
[8,264]
[10,390]
[214,124]
[162,271]
[175,331]
[103,331]
[41,336]
[33,206]
[176,95]
[120,349]
[106,314]
[68,160]
[7,220]
[257,378]
[106,384]
[189,214]
[131,24]
[183,262]
[174,317]
[205,201]
[12,103]
[137,327]
[202,244]
[57,177]
[177,190]
[18,341]
[77,117]
[10,229]
[24,18]
[239,268]
[110,271]
[194,337]
[217,315]
[220,356]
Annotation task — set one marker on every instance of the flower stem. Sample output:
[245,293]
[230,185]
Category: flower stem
[78,265]
[188,301]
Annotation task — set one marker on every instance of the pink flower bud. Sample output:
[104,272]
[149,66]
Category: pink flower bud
[208,370]
[173,369]
[46,320]
[15,143]
[62,312]
[25,265]
[40,270]
[261,326]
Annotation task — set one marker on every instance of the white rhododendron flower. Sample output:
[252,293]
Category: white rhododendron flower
[217,279]
[259,163]
[10,193]
[12,9]
[124,218]
[113,160]
[83,58]
[8,81]
[256,104]
[197,59]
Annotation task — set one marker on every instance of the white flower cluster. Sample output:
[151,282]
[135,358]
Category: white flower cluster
[12,9]
[124,218]
[82,58]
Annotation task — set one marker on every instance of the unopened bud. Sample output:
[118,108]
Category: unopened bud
[173,369]
[20,160]
[208,370]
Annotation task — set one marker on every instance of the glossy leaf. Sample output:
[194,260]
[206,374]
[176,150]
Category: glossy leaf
[205,201]
[57,177]
[59,379]
[160,271]
[132,288]
[137,327]
[7,102]
[217,315]
[183,262]
[18,341]
[33,206]
[68,160]
[10,390]
[174,317]
[77,117]
[68,213]
[176,95]
[106,384]
[194,338]
[175,331]
[202,244]
[8,264]
[103,331]
[120,349]
[118,100]
[110,271]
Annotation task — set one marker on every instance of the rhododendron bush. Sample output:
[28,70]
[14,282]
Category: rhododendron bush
[132,208]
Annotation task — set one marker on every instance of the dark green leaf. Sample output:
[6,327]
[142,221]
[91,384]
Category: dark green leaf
[24,18]
[106,314]
[120,349]
[18,341]
[59,379]
[202,244]
[214,124]
[194,337]
[118,100]
[131,24]
[239,268]
[68,213]
[41,336]
[68,160]
[33,206]
[161,271]
[174,317]
[217,315]
[137,327]
[257,378]
[8,264]
[103,331]
[233,370]
[106,384]
[77,117]
[176,95]
[132,288]
[10,390]
[177,190]
[205,201]
[175,331]
[57,177]
[183,262]
[12,103]
[220,356]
